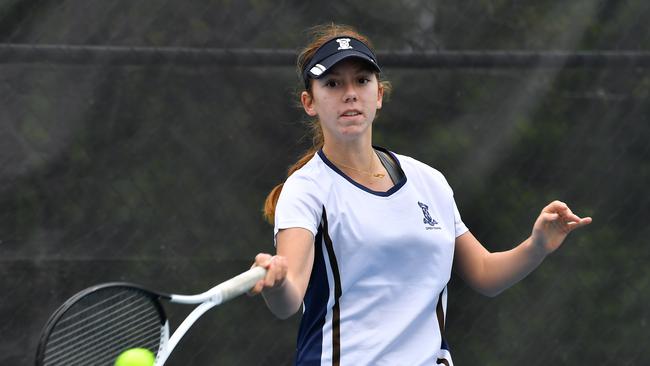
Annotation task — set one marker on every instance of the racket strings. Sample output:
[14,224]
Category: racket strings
[91,308]
[110,320]
[97,313]
[101,325]
[103,341]
[106,355]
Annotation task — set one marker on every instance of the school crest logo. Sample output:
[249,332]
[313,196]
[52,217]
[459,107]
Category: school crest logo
[344,43]
[427,217]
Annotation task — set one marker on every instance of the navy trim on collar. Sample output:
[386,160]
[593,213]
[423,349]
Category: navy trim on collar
[389,192]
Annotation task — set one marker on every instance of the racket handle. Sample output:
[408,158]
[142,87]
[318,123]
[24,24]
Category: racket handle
[219,294]
[226,290]
[241,283]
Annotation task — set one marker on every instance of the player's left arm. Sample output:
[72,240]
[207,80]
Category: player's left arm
[491,273]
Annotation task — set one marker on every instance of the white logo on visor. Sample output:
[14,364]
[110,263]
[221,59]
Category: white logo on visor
[317,69]
[344,43]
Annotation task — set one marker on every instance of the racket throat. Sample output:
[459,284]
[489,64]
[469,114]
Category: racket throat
[164,339]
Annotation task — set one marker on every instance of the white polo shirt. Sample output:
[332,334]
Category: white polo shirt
[377,291]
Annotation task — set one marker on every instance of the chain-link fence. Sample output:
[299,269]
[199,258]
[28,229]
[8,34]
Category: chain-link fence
[138,141]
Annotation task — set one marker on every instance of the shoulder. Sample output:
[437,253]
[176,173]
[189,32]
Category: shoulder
[313,173]
[302,197]
[312,179]
[422,175]
[413,166]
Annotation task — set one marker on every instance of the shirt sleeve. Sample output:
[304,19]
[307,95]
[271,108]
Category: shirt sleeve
[459,224]
[299,205]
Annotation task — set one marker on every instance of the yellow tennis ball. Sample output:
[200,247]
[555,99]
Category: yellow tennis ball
[135,357]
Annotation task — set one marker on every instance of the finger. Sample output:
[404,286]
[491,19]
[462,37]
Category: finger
[270,275]
[569,216]
[556,206]
[566,215]
[256,289]
[263,260]
[274,267]
[281,268]
[580,223]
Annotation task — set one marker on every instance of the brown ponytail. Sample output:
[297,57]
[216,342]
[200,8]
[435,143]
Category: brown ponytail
[272,198]
[319,36]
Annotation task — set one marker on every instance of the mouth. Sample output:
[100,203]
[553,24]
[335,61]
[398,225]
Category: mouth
[351,113]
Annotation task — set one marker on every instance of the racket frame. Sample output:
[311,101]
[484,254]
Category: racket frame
[217,295]
[63,309]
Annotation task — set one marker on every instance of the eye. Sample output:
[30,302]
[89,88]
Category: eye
[364,79]
[331,83]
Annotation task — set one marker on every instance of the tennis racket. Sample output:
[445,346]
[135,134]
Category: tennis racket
[97,324]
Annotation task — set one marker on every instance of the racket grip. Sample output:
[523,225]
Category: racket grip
[241,283]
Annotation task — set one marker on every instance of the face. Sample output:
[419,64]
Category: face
[345,100]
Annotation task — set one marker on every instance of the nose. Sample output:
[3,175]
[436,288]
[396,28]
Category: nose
[350,94]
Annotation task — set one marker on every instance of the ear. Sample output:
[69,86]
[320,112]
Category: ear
[308,103]
[380,95]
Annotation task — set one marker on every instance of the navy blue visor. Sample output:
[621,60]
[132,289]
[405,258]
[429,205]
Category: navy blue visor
[335,51]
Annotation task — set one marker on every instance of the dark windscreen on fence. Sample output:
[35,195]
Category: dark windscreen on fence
[139,140]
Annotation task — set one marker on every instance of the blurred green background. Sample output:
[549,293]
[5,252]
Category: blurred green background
[156,173]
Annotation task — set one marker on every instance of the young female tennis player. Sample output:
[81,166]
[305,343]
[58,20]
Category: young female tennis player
[365,237]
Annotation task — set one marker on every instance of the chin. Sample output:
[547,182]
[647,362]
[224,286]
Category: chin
[352,133]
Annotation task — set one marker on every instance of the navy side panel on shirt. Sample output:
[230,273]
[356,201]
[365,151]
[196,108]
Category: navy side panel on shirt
[310,335]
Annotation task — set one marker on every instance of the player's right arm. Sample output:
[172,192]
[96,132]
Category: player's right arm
[288,272]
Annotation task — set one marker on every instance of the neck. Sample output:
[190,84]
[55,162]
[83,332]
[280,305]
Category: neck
[360,161]
[357,156]
[354,151]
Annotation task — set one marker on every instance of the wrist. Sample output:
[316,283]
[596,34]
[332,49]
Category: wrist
[536,249]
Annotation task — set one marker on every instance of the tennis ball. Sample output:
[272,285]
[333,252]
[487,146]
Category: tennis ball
[135,357]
